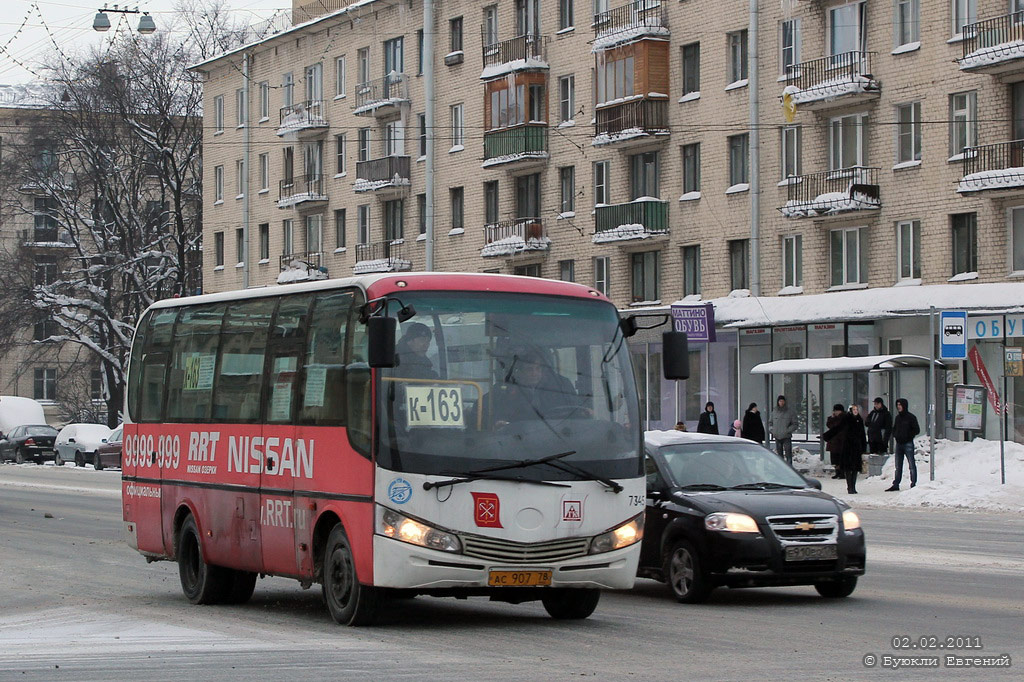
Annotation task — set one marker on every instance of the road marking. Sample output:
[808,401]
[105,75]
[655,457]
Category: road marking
[102,492]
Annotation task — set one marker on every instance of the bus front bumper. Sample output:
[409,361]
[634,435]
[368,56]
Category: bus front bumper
[401,565]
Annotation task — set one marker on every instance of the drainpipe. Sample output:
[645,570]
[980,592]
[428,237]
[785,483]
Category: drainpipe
[755,153]
[245,172]
[428,85]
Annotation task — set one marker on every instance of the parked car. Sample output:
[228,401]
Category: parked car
[18,411]
[109,453]
[725,511]
[33,442]
[78,443]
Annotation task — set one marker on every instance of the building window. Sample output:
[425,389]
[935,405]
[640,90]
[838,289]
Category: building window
[567,270]
[457,200]
[44,329]
[421,208]
[1017,239]
[240,117]
[218,183]
[45,384]
[963,121]
[737,42]
[615,78]
[288,165]
[339,228]
[394,138]
[314,233]
[846,30]
[531,270]
[848,261]
[601,194]
[566,98]
[490,36]
[340,77]
[643,175]
[394,56]
[644,275]
[490,202]
[455,34]
[965,242]
[264,160]
[45,270]
[240,246]
[567,189]
[907,29]
[739,153]
[422,120]
[457,129]
[45,221]
[264,230]
[691,68]
[364,144]
[603,274]
[339,154]
[363,65]
[848,145]
[691,270]
[239,178]
[363,224]
[739,264]
[96,385]
[908,245]
[908,126]
[691,168]
[792,261]
[791,151]
[218,249]
[789,45]
[565,14]
[315,82]
[287,89]
[264,100]
[218,113]
[287,237]
[964,12]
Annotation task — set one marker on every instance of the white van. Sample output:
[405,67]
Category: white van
[18,411]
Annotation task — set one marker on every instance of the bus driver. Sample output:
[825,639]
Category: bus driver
[532,390]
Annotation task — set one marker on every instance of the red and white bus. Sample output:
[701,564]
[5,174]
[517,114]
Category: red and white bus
[494,450]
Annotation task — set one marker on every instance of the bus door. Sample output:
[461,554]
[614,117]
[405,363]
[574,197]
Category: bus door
[284,455]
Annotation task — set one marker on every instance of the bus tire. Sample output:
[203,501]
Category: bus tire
[201,582]
[571,604]
[240,586]
[349,602]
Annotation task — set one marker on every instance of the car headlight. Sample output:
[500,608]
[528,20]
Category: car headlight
[730,521]
[391,524]
[850,520]
[627,534]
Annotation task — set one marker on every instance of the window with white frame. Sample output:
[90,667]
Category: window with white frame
[964,227]
[602,274]
[566,98]
[240,246]
[567,189]
[287,237]
[394,56]
[314,233]
[287,89]
[963,121]
[691,68]
[490,36]
[908,28]
[394,138]
[339,154]
[240,114]
[739,264]
[791,143]
[45,384]
[847,258]
[792,261]
[964,12]
[565,14]
[340,77]
[847,28]
[737,52]
[908,245]
[218,183]
[218,249]
[339,228]
[240,178]
[691,168]
[457,130]
[314,82]
[789,45]
[567,270]
[1017,239]
[363,65]
[264,230]
[457,195]
[848,141]
[739,153]
[908,132]
[218,113]
[394,219]
[264,160]
[264,100]
[644,275]
[490,202]
[455,34]
[600,7]
[363,135]
[421,209]
[691,270]
[601,193]
[422,136]
[363,224]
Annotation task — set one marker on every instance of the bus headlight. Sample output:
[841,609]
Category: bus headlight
[850,520]
[629,533]
[730,521]
[391,524]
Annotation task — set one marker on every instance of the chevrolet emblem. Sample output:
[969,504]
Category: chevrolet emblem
[804,526]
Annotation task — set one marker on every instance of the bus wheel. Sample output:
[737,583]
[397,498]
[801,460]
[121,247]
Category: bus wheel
[201,582]
[570,604]
[240,586]
[348,601]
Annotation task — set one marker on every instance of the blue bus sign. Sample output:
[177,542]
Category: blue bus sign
[953,334]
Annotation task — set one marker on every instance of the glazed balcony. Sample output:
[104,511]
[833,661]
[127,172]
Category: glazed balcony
[641,218]
[838,80]
[639,19]
[385,256]
[305,119]
[301,189]
[382,97]
[993,167]
[510,237]
[994,46]
[829,193]
[522,53]
[517,146]
[302,267]
[636,120]
[386,175]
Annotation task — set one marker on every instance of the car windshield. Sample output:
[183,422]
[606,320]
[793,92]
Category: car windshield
[485,380]
[115,435]
[40,431]
[727,465]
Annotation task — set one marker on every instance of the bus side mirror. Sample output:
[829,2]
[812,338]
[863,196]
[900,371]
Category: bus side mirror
[381,337]
[675,355]
[629,326]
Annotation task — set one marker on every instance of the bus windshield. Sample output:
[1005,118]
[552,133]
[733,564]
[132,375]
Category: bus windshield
[486,380]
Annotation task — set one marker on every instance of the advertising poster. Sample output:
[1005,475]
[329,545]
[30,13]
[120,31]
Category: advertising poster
[969,407]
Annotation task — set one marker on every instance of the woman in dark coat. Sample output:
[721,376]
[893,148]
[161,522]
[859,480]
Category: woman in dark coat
[845,438]
[753,427]
[833,445]
[708,422]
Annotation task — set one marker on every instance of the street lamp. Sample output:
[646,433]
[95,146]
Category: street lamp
[101,22]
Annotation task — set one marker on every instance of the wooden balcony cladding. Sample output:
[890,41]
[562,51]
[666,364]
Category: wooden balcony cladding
[522,80]
[651,66]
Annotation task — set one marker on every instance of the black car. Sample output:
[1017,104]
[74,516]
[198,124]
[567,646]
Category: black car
[28,442]
[727,512]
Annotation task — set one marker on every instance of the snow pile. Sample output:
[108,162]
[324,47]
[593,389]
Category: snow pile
[624,233]
[301,271]
[496,70]
[626,134]
[364,267]
[808,463]
[992,179]
[640,27]
[299,197]
[300,119]
[510,158]
[994,54]
[363,185]
[832,88]
[509,246]
[378,103]
[830,203]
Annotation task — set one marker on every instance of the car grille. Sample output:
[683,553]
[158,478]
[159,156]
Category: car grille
[794,528]
[519,552]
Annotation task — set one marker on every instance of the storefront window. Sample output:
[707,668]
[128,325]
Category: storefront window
[790,343]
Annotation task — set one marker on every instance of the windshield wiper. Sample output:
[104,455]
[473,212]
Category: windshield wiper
[762,485]
[468,477]
[477,474]
[703,486]
[584,474]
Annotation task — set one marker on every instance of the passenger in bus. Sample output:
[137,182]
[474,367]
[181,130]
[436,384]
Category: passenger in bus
[532,390]
[413,362]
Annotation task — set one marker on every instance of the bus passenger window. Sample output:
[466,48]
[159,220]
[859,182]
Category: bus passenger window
[240,367]
[152,370]
[193,364]
[357,384]
[323,389]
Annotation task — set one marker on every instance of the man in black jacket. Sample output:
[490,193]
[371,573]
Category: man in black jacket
[879,428]
[904,428]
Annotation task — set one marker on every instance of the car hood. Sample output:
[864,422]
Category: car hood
[762,503]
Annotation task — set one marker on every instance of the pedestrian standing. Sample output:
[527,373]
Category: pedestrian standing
[858,443]
[844,438]
[708,422]
[832,446]
[879,428]
[752,426]
[904,428]
[782,424]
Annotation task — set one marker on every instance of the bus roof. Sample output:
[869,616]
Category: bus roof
[386,283]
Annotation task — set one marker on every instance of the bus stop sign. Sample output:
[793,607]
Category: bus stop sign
[953,334]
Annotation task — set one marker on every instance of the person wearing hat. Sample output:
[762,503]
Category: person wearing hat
[413,362]
[844,439]
[752,426]
[708,422]
[879,428]
[532,390]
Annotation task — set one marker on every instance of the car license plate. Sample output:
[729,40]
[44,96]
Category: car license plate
[811,552]
[519,578]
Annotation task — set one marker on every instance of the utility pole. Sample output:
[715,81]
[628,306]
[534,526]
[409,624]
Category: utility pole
[431,97]
[755,151]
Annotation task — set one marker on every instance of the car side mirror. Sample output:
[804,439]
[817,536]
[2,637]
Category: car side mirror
[381,337]
[813,482]
[71,440]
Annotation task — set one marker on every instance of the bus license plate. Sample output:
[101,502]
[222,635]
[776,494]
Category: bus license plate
[811,552]
[519,578]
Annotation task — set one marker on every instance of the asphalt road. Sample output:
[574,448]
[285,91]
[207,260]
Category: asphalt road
[78,604]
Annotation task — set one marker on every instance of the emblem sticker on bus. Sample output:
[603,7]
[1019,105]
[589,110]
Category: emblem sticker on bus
[399,491]
[434,405]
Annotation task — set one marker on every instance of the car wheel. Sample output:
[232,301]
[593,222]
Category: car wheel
[240,586]
[569,604]
[19,456]
[57,459]
[685,575]
[837,589]
[201,582]
[79,459]
[348,601]
[96,463]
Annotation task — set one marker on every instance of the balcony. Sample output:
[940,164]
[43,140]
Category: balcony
[994,46]
[829,193]
[387,175]
[641,218]
[520,145]
[45,238]
[639,19]
[828,82]
[382,97]
[522,53]
[636,120]
[385,256]
[511,237]
[302,267]
[992,167]
[301,189]
[305,117]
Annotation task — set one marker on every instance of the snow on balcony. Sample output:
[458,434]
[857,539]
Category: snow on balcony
[300,272]
[644,27]
[365,267]
[830,203]
[512,158]
[505,68]
[624,233]
[831,89]
[510,246]
[363,185]
[1002,178]
[989,56]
